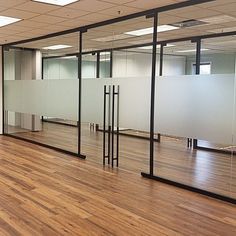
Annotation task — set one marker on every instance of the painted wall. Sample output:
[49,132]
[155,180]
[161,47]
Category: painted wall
[23,65]
[220,63]
[124,65]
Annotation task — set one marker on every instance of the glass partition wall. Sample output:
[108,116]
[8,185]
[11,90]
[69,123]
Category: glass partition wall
[41,91]
[154,93]
[115,105]
[195,108]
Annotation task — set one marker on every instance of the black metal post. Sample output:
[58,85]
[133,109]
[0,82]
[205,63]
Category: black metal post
[80,90]
[198,66]
[3,107]
[109,125]
[117,124]
[160,74]
[112,125]
[98,65]
[153,80]
[111,63]
[104,125]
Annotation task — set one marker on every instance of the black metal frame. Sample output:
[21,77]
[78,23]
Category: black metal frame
[150,13]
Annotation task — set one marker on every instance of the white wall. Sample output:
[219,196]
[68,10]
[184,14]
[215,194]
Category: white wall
[221,63]
[131,64]
[125,64]
[23,65]
[60,68]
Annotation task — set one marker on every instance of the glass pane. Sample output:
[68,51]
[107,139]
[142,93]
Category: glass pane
[130,69]
[41,100]
[194,114]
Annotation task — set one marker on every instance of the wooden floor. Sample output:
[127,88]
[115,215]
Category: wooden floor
[210,171]
[48,193]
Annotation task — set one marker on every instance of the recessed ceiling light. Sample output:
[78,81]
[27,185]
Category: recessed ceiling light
[104,53]
[145,31]
[6,20]
[69,57]
[158,46]
[56,2]
[56,47]
[193,50]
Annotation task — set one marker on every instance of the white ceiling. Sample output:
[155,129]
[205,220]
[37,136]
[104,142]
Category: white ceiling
[41,19]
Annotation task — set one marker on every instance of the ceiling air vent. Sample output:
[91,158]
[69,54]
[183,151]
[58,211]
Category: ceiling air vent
[188,23]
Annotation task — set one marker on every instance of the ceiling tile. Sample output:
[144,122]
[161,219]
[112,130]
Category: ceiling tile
[36,7]
[68,13]
[74,23]
[148,4]
[30,24]
[18,14]
[119,11]
[91,5]
[225,8]
[95,17]
[119,2]
[11,3]
[47,19]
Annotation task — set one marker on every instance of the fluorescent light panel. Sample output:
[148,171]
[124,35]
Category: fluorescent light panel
[193,50]
[158,46]
[6,20]
[145,31]
[56,47]
[57,2]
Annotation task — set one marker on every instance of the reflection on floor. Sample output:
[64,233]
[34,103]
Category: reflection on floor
[173,160]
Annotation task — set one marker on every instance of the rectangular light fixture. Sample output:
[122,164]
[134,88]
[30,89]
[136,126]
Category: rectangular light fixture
[104,59]
[145,31]
[193,50]
[68,57]
[57,2]
[56,47]
[158,46]
[6,20]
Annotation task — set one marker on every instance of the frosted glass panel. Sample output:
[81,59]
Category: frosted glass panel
[134,102]
[198,107]
[93,100]
[52,98]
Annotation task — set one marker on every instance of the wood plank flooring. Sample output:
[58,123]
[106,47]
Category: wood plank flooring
[48,193]
[215,172]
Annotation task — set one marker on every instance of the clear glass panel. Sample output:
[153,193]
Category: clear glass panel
[105,64]
[42,99]
[89,65]
[178,58]
[60,67]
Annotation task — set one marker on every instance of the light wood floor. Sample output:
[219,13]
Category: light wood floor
[48,193]
[210,171]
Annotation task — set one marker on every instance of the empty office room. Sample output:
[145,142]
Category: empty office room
[118,117]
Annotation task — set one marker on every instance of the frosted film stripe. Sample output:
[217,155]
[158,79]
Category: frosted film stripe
[198,106]
[52,98]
